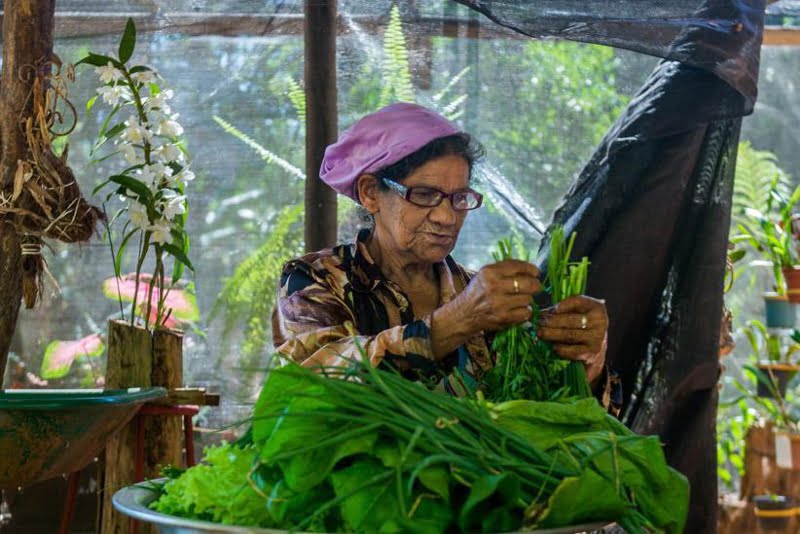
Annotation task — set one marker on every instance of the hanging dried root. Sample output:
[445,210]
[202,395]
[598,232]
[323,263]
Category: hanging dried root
[45,200]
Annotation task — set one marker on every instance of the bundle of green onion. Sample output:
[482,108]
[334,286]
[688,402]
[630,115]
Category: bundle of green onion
[526,366]
[383,454]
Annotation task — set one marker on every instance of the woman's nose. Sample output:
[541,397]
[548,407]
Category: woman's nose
[444,213]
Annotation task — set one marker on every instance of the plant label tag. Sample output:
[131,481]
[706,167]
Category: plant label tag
[783,451]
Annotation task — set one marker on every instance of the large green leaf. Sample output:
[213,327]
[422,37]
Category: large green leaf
[370,500]
[493,505]
[597,497]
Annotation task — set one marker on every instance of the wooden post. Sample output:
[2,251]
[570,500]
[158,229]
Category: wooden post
[321,119]
[27,49]
[130,363]
[163,435]
[140,358]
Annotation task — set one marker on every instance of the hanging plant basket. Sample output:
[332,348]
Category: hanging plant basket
[773,512]
[778,311]
[792,277]
[780,374]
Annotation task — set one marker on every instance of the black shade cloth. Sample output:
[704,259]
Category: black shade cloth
[652,207]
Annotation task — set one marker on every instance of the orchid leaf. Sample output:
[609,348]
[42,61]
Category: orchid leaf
[113,132]
[128,42]
[59,355]
[134,185]
[122,246]
[90,103]
[98,60]
[178,254]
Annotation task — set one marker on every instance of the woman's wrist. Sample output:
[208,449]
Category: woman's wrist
[450,328]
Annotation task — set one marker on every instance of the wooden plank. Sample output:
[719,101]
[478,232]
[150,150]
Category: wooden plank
[321,120]
[191,396]
[779,36]
[85,24]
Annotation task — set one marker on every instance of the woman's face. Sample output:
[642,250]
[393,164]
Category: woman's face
[419,234]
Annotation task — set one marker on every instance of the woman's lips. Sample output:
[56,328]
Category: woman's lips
[445,239]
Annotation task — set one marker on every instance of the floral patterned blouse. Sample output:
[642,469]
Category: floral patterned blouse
[335,305]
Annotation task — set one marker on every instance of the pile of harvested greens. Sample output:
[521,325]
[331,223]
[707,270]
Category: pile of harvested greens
[365,450]
[384,454]
[527,367]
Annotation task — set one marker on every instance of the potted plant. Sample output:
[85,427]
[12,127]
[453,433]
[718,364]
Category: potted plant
[773,512]
[141,137]
[780,367]
[147,142]
[773,232]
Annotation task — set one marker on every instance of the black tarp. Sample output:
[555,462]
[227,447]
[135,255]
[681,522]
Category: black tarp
[652,206]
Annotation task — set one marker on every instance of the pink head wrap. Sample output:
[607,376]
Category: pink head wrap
[379,140]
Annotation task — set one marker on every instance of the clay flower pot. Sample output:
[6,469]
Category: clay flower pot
[792,277]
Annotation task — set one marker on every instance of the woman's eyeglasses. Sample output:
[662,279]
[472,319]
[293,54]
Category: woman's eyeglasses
[428,197]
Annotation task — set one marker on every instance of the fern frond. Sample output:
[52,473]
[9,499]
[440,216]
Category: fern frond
[264,153]
[453,81]
[297,96]
[248,296]
[396,74]
[756,171]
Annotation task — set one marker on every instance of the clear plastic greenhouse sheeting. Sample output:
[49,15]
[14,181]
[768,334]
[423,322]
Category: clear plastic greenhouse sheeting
[722,36]
[539,107]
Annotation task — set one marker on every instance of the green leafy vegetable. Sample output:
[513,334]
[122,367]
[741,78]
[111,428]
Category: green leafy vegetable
[365,450]
[527,367]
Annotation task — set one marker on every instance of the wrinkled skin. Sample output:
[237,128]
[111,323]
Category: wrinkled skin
[408,240]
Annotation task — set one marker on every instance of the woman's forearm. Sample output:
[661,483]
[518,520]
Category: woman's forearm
[450,328]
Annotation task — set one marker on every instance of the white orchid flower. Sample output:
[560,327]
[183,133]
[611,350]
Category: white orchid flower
[159,101]
[161,170]
[108,73]
[131,154]
[168,153]
[138,216]
[112,94]
[159,232]
[144,76]
[184,176]
[169,127]
[135,132]
[147,176]
[172,205]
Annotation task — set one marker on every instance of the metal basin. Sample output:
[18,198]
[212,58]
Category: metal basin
[47,433]
[133,501]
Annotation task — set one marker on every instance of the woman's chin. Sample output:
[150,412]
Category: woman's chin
[435,253]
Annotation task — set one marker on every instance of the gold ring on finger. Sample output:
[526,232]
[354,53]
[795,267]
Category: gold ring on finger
[584,322]
[516,286]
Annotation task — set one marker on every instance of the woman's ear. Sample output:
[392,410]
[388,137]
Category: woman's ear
[368,192]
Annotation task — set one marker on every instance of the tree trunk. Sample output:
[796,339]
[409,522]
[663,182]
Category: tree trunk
[27,50]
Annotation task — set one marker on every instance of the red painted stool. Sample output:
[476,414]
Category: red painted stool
[186,411]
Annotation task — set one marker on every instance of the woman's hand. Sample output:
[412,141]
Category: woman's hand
[498,296]
[577,328]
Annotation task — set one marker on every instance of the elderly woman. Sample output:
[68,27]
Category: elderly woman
[396,296]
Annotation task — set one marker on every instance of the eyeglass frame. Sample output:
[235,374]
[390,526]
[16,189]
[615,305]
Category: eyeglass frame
[405,193]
